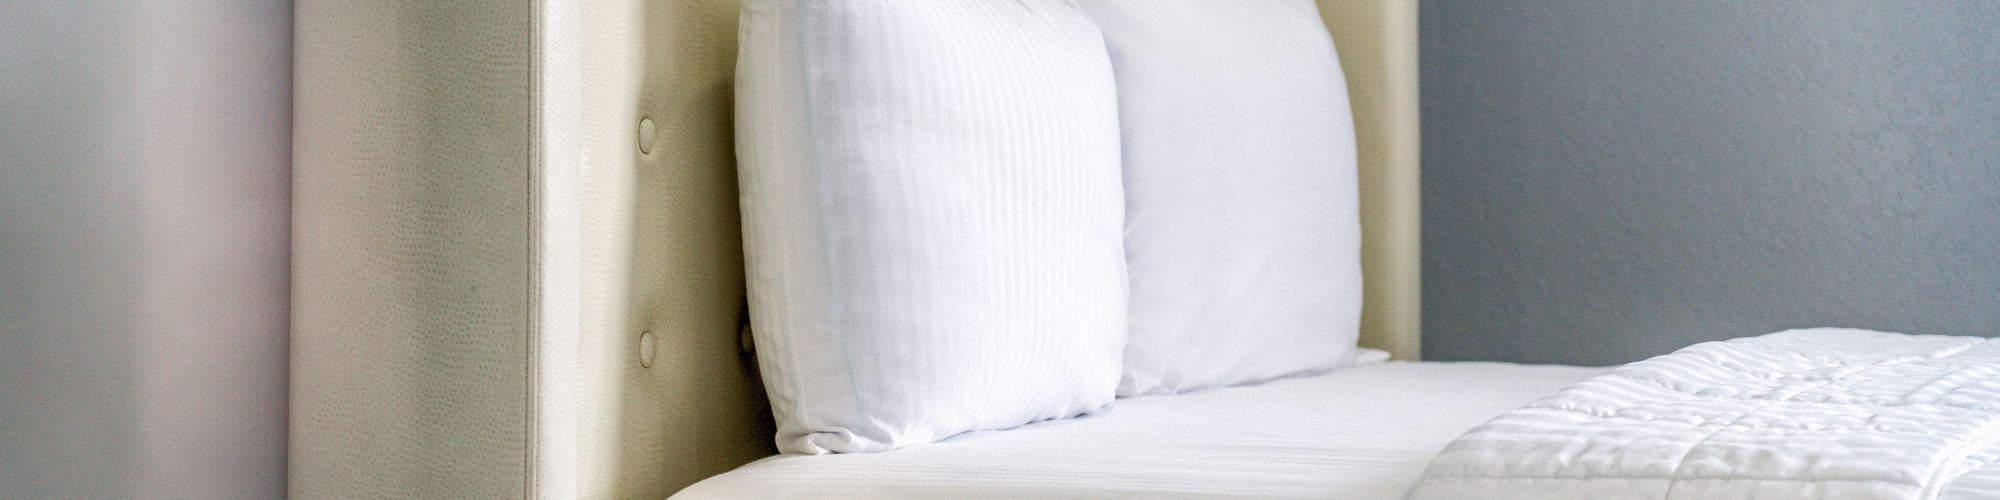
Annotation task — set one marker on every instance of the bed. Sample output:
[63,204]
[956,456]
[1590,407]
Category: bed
[1365,432]
[518,273]
[518,265]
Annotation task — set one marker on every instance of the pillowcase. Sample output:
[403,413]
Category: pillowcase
[932,215]
[1242,228]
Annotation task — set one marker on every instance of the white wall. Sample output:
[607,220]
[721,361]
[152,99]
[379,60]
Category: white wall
[144,209]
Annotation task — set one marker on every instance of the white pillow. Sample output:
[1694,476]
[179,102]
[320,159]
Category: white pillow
[932,214]
[1242,229]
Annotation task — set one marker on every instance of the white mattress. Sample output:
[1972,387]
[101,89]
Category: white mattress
[1360,433]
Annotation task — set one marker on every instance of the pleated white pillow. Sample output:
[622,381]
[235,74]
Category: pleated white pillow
[932,216]
[1242,227]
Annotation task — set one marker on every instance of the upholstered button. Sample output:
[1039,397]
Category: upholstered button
[646,350]
[645,136]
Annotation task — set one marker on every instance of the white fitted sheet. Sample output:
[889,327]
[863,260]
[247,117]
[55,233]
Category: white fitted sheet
[1360,433]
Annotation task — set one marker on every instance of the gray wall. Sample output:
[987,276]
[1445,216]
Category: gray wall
[144,206]
[1609,180]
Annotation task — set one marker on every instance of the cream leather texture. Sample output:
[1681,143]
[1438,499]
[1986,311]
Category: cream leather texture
[557,150]
[663,252]
[1378,50]
[479,245]
[424,153]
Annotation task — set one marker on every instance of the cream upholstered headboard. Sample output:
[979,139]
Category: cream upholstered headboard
[1377,40]
[517,268]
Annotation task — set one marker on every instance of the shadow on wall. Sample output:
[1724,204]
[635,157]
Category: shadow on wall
[69,256]
[144,207]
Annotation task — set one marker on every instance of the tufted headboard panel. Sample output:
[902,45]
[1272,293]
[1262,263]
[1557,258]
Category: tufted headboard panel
[663,257]
[517,261]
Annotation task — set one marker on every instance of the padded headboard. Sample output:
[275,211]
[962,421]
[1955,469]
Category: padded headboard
[1377,40]
[663,253]
[517,261]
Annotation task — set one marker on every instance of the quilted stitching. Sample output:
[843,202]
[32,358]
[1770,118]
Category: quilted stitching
[1803,413]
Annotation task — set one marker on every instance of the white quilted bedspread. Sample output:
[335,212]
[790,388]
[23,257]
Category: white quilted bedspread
[1819,413]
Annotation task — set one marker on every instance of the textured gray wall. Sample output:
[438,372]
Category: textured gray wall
[1609,180]
[144,215]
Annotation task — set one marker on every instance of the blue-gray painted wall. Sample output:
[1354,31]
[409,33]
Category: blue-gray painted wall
[1606,180]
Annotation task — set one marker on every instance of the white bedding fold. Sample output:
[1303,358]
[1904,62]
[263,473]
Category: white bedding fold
[1818,413]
